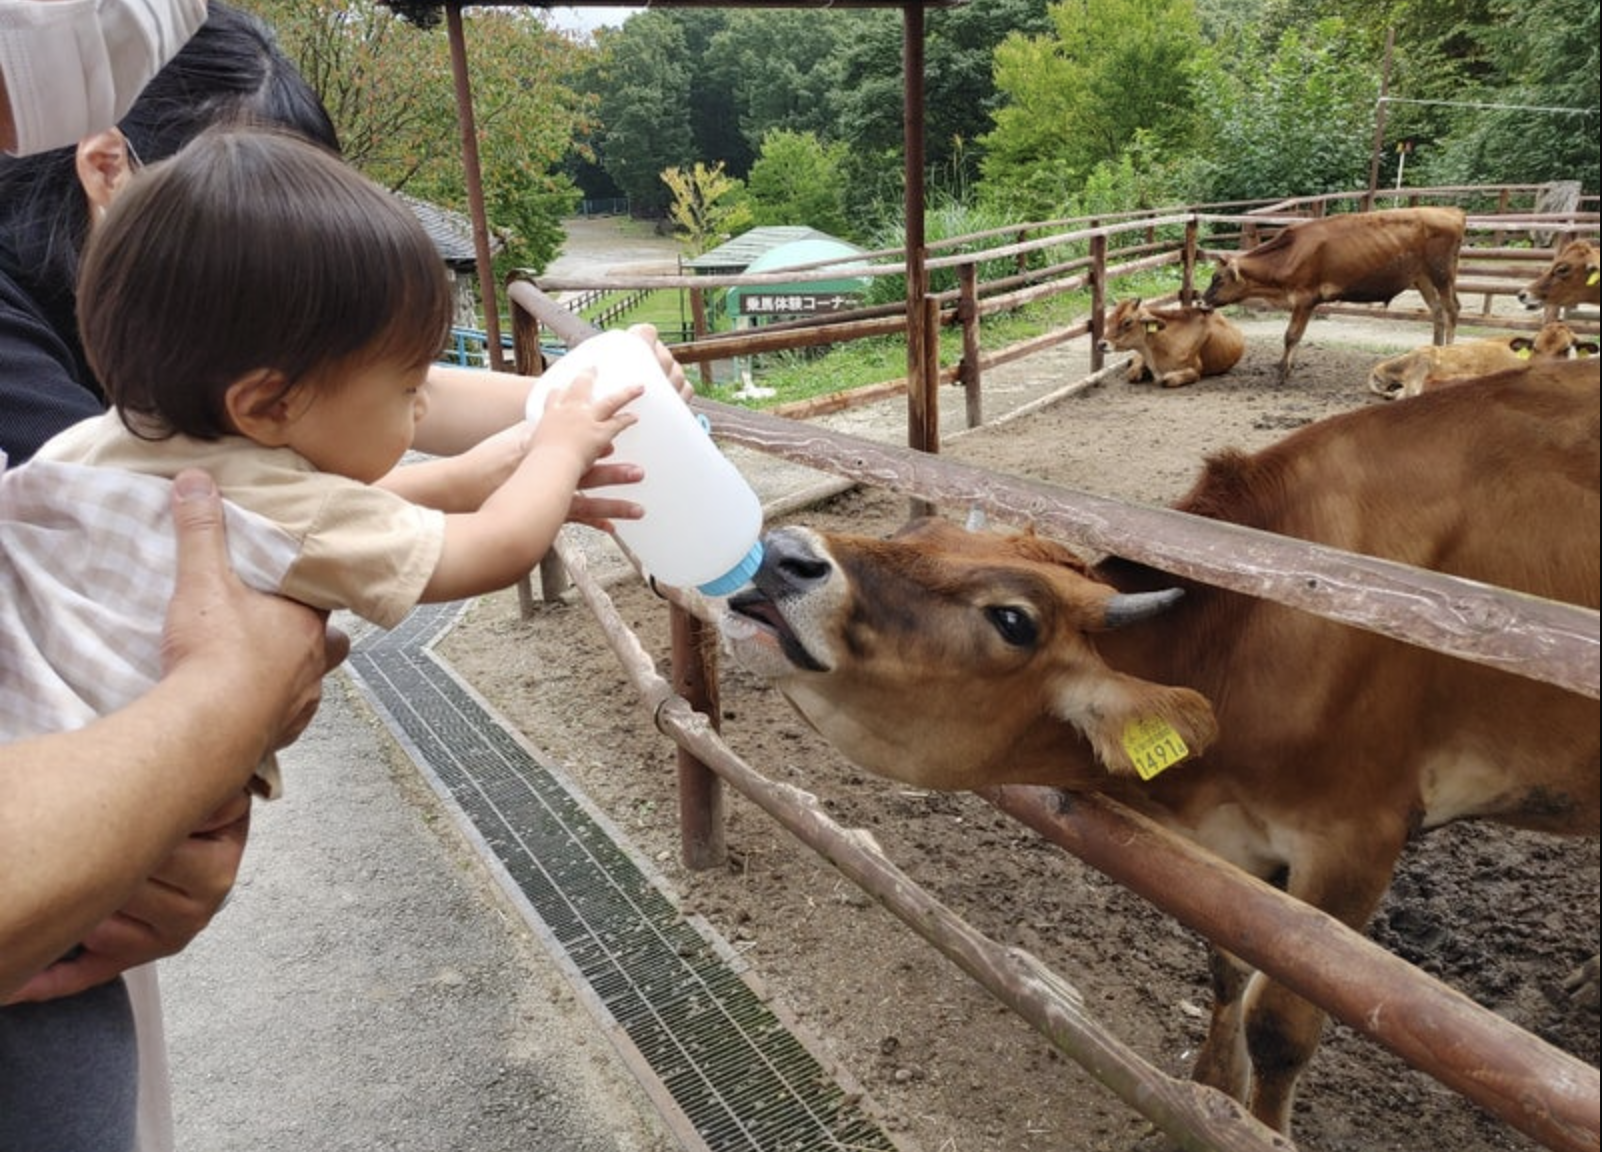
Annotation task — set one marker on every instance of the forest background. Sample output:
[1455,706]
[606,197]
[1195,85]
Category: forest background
[714,119]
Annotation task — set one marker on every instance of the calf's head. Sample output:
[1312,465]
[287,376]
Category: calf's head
[952,659]
[1227,286]
[1573,277]
[1126,328]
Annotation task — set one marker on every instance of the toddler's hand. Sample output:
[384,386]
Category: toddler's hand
[577,422]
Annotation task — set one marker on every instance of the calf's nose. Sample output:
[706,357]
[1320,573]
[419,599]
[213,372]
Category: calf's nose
[791,563]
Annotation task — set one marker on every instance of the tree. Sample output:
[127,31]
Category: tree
[1077,95]
[776,68]
[388,86]
[798,180]
[1295,120]
[707,206]
[959,86]
[1545,56]
[643,79]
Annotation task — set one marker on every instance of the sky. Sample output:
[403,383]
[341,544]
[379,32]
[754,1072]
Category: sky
[589,18]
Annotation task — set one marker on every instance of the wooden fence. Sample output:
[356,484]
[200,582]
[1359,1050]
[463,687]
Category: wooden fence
[1535,1088]
[1003,270]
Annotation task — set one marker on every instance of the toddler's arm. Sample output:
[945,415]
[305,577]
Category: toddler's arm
[513,529]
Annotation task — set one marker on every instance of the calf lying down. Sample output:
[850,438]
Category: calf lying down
[1435,366]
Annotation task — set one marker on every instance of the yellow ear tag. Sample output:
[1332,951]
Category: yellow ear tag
[1523,353]
[1596,274]
[1152,326]
[1153,746]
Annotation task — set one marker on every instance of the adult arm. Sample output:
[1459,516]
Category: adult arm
[475,425]
[172,906]
[86,816]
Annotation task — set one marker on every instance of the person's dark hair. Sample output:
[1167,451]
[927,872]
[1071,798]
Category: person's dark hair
[251,250]
[231,70]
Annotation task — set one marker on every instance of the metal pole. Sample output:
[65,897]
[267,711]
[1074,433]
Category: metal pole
[1379,122]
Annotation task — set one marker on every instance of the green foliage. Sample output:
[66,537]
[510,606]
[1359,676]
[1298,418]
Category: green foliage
[959,82]
[1077,96]
[708,206]
[643,79]
[949,221]
[776,68]
[797,179]
[1294,122]
[387,84]
[1544,55]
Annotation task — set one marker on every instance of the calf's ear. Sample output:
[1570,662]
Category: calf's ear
[1135,727]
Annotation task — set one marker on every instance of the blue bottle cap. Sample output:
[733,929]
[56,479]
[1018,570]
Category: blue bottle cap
[737,577]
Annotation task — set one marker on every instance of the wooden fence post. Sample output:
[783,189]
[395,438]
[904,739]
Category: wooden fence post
[968,316]
[1098,299]
[702,844]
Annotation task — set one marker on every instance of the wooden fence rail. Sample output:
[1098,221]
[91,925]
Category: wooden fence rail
[1094,255]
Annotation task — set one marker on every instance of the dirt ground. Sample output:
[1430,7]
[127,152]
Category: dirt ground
[1501,916]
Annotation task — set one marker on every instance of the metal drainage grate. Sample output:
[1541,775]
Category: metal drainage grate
[742,1080]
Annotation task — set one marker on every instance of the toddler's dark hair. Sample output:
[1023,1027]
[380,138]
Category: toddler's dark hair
[248,250]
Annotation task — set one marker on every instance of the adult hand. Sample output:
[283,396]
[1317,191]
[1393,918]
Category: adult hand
[243,674]
[163,915]
[276,649]
[671,367]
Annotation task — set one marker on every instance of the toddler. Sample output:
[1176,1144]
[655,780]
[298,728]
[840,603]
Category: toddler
[257,308]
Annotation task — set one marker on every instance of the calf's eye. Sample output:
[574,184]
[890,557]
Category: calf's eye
[1013,625]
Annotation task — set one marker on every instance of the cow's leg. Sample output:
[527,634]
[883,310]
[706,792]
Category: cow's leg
[1179,377]
[1443,305]
[1301,313]
[1347,880]
[1222,1061]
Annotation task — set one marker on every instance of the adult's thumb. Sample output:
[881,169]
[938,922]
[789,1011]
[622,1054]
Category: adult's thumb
[198,516]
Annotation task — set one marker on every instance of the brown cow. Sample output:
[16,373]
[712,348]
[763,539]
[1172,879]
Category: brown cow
[1174,346]
[1368,257]
[1304,751]
[1572,278]
[1430,366]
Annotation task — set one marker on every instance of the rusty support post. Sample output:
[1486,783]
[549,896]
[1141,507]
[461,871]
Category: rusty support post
[475,184]
[1379,122]
[701,839]
[923,401]
[968,317]
[528,360]
[1098,298]
[699,325]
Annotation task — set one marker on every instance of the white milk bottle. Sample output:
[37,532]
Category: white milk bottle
[702,521]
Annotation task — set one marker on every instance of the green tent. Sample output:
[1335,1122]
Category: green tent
[805,297]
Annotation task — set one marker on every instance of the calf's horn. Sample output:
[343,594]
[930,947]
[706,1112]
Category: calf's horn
[1132,607]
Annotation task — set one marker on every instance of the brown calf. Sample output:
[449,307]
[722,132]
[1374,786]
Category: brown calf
[1573,277]
[1306,752]
[1174,346]
[1430,366]
[1368,257]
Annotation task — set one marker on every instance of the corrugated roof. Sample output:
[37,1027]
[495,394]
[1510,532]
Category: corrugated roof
[738,254]
[451,232]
